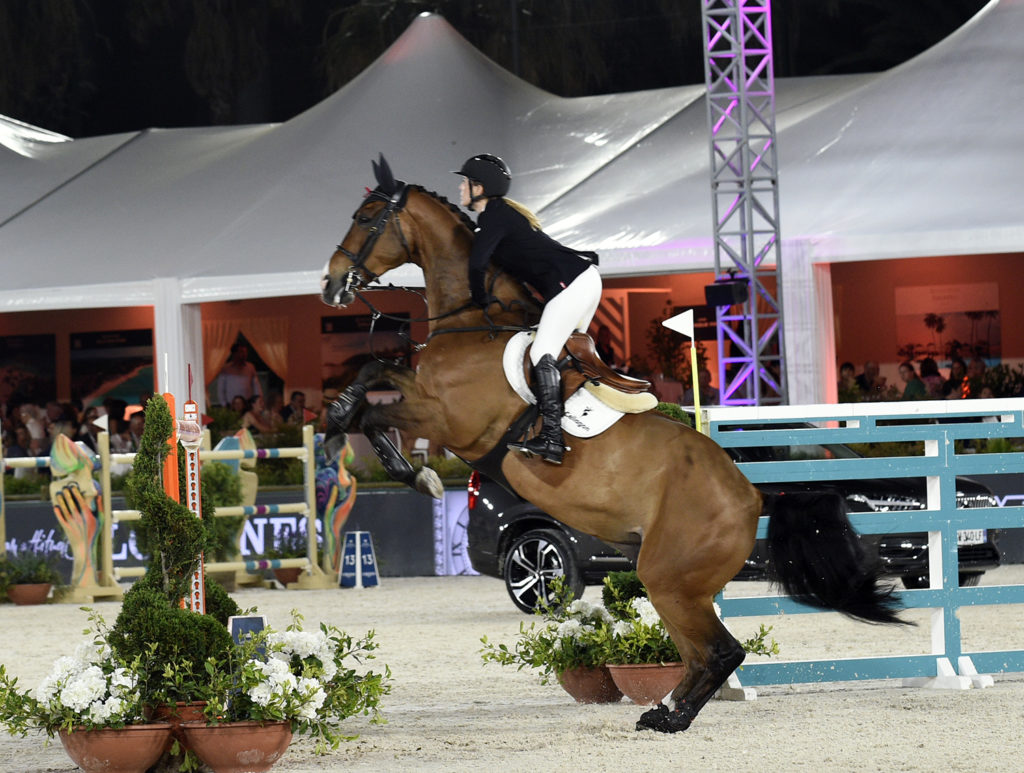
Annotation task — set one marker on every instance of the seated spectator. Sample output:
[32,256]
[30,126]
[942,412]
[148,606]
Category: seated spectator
[871,384]
[239,405]
[932,378]
[915,388]
[293,413]
[708,393]
[274,407]
[847,390]
[953,388]
[89,432]
[975,374]
[258,419]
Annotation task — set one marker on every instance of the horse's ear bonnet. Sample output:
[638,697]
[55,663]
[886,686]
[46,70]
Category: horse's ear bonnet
[386,182]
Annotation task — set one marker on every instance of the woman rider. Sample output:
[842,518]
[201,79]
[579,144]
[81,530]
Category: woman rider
[568,281]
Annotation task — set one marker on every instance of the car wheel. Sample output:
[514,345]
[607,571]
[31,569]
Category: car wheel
[915,581]
[533,560]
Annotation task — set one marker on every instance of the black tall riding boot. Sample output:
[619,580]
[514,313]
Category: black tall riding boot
[547,386]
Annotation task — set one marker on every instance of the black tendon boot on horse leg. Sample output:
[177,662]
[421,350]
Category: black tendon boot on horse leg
[339,417]
[680,712]
[547,386]
[398,468]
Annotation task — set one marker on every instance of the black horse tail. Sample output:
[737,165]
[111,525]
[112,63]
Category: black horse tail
[817,558]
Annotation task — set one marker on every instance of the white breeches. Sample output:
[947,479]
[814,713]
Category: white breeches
[572,309]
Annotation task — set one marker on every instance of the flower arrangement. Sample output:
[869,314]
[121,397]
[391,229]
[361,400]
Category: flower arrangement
[159,653]
[89,689]
[572,635]
[302,677]
[28,567]
[624,629]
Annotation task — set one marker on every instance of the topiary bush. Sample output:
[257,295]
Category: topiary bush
[152,623]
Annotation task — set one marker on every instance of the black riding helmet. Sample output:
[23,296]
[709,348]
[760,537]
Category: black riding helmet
[490,171]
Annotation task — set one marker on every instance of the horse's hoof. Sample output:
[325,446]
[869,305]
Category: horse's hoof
[664,721]
[428,483]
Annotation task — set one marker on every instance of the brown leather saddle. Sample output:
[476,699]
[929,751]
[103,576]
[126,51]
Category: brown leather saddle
[587,362]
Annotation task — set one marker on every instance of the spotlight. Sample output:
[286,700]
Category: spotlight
[727,292]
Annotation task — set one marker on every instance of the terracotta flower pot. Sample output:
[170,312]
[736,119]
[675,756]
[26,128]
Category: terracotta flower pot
[132,749]
[239,747]
[29,593]
[590,685]
[647,683]
[174,715]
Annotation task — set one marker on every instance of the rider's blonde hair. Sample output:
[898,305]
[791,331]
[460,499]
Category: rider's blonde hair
[522,210]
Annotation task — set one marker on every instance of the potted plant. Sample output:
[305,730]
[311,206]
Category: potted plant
[283,682]
[93,701]
[624,634]
[570,644]
[160,653]
[27,578]
[287,543]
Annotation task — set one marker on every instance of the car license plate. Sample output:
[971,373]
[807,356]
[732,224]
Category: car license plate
[970,537]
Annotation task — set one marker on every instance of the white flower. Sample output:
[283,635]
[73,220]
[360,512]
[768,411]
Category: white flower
[587,612]
[260,694]
[82,689]
[622,628]
[569,629]
[645,611]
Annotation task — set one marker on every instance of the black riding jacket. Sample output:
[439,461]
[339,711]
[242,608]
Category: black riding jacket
[505,237]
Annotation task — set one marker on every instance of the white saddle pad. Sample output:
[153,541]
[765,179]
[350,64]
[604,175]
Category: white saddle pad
[585,415]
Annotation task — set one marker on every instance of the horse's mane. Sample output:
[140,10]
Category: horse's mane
[454,208]
[526,295]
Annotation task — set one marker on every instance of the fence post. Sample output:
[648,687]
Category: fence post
[316,578]
[107,538]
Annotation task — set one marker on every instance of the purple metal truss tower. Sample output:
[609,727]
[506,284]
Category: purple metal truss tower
[745,198]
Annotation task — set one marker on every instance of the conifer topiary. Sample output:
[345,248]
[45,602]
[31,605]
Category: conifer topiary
[152,622]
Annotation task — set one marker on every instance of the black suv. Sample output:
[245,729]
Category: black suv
[512,539]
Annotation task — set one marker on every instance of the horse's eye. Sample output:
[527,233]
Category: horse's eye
[363,219]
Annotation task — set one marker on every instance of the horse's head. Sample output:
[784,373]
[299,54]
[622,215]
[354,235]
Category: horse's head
[375,242]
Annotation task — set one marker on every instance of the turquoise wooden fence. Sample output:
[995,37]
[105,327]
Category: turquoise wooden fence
[938,427]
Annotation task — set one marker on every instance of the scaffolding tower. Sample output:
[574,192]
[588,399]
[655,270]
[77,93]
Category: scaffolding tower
[745,200]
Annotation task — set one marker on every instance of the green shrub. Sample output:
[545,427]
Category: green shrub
[620,588]
[157,630]
[31,484]
[675,411]
[28,568]
[221,488]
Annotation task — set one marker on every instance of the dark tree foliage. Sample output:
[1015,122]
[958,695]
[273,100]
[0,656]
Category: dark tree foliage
[89,67]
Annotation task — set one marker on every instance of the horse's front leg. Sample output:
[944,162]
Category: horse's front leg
[343,411]
[409,414]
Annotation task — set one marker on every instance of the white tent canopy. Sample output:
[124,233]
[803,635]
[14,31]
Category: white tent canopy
[915,161]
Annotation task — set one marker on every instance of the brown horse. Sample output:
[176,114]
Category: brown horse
[661,492]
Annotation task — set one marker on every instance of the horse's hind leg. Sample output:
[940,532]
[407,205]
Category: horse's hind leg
[709,651]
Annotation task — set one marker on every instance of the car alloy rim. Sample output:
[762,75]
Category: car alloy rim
[534,564]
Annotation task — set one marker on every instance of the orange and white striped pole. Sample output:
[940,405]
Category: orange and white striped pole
[190,433]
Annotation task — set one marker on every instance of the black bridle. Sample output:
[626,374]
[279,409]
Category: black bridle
[393,205]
